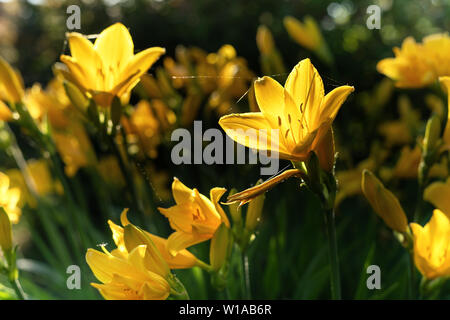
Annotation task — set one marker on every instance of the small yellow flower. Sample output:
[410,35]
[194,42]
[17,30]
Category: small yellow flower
[300,112]
[9,198]
[383,202]
[432,246]
[11,83]
[195,218]
[108,67]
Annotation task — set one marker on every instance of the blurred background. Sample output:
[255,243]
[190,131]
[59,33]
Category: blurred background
[288,258]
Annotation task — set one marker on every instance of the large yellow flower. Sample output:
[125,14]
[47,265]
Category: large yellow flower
[194,218]
[432,246]
[300,112]
[418,64]
[9,198]
[108,67]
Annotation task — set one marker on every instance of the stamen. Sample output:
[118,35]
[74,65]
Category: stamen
[279,121]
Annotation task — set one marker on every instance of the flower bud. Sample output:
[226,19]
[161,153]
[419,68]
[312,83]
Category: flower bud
[75,96]
[432,135]
[11,81]
[325,151]
[383,202]
[254,211]
[264,40]
[5,231]
[220,245]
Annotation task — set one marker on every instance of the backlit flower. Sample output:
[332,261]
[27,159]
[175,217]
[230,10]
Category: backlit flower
[108,67]
[300,112]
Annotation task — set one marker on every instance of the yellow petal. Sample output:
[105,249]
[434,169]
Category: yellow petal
[115,46]
[183,260]
[137,66]
[306,87]
[333,101]
[252,130]
[270,98]
[438,193]
[178,241]
[215,195]
[181,193]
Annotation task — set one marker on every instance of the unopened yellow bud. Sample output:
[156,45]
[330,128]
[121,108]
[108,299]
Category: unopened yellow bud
[306,34]
[5,231]
[383,202]
[219,249]
[11,81]
[264,40]
[75,96]
[325,151]
[235,209]
[254,211]
[432,135]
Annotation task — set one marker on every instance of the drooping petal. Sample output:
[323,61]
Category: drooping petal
[180,217]
[178,241]
[253,130]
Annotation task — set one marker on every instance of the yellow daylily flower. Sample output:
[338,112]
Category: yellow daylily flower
[108,67]
[11,83]
[126,277]
[418,64]
[183,260]
[195,218]
[300,112]
[432,246]
[9,198]
[383,202]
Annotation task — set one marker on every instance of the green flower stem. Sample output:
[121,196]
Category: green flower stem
[333,255]
[411,277]
[246,273]
[18,289]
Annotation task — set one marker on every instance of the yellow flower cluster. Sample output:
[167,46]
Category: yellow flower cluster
[418,64]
